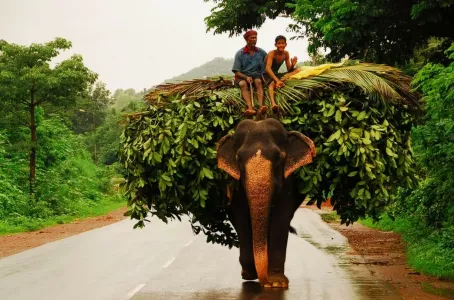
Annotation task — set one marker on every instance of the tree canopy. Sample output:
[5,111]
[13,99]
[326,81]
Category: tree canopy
[372,30]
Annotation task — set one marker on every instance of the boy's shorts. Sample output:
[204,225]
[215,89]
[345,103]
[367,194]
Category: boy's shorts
[267,78]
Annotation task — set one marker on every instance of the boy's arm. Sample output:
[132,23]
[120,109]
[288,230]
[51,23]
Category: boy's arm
[269,62]
[290,65]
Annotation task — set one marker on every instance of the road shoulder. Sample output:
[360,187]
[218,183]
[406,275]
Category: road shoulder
[18,242]
[384,256]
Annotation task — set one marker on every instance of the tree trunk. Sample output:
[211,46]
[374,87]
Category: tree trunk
[32,178]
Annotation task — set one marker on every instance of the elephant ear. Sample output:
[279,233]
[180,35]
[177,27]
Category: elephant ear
[226,157]
[300,151]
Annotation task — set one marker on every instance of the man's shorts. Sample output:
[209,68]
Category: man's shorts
[236,82]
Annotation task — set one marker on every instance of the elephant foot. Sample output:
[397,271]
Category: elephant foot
[249,274]
[277,281]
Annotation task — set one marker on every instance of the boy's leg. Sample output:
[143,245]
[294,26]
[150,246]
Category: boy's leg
[246,96]
[271,91]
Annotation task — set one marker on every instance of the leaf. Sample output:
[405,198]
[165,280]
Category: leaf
[334,136]
[389,152]
[145,154]
[351,174]
[157,157]
[362,115]
[146,145]
[208,173]
[338,116]
[166,178]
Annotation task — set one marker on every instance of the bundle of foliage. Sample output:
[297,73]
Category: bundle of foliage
[383,31]
[358,115]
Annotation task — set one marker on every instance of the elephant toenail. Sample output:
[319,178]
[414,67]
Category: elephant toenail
[276,284]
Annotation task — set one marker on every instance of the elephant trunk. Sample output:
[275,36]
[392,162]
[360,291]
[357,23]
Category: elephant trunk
[259,192]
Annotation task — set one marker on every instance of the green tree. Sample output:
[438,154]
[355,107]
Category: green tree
[122,98]
[28,81]
[434,141]
[374,30]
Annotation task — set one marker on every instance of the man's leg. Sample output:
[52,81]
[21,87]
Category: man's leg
[259,88]
[246,94]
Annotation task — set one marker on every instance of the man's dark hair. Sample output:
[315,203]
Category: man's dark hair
[280,37]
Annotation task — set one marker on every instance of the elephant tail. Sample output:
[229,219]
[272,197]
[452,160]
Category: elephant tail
[293,230]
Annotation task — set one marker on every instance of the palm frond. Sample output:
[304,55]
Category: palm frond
[379,82]
[231,96]
[190,88]
[369,82]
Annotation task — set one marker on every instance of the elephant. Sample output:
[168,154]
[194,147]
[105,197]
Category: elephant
[261,156]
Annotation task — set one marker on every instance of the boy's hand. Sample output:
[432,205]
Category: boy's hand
[249,80]
[294,60]
[279,84]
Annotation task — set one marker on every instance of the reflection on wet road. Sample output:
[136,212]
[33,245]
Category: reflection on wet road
[167,262]
[316,267]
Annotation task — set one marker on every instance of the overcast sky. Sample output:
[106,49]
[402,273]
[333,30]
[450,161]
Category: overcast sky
[132,44]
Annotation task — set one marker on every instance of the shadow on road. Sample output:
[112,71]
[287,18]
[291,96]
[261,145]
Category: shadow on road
[253,291]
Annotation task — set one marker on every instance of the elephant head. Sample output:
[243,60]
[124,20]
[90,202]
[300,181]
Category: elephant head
[262,154]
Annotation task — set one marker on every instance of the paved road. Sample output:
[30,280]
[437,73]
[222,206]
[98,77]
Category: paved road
[166,261]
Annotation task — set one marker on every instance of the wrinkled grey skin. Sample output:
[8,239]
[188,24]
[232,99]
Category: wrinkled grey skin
[263,222]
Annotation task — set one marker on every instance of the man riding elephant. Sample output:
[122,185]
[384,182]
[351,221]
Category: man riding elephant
[249,67]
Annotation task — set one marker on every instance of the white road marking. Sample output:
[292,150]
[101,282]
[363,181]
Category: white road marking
[188,243]
[134,291]
[168,263]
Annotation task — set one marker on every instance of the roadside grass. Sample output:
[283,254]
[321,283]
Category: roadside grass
[330,217]
[26,224]
[429,251]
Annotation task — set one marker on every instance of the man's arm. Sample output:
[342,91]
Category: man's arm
[237,67]
[242,76]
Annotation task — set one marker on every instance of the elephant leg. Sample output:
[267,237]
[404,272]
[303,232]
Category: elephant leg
[282,213]
[242,222]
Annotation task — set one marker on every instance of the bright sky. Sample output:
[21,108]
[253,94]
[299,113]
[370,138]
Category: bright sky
[132,44]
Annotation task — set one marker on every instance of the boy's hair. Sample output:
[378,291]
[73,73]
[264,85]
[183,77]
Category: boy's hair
[280,37]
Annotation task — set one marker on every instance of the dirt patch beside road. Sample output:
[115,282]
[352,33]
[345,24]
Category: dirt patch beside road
[15,243]
[384,256]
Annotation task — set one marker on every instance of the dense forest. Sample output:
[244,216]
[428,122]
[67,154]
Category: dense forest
[76,169]
[60,127]
[59,138]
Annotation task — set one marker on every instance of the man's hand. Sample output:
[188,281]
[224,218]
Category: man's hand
[294,61]
[249,80]
[279,84]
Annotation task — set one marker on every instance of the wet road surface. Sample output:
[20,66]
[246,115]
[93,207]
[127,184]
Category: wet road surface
[166,261]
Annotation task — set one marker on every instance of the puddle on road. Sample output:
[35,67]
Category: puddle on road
[363,282]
